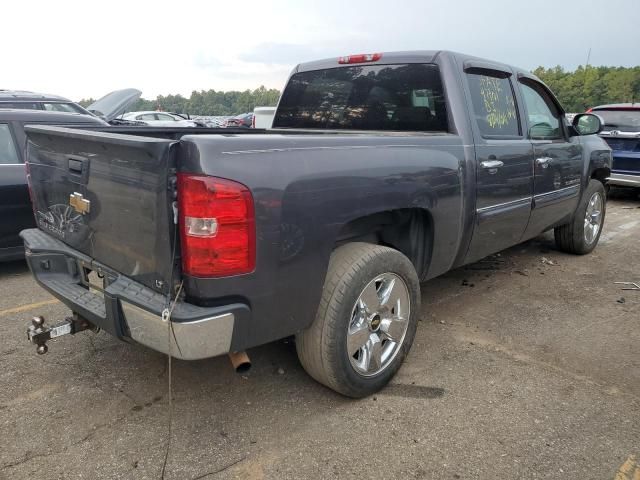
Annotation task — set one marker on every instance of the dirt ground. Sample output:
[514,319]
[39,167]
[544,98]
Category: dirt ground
[525,365]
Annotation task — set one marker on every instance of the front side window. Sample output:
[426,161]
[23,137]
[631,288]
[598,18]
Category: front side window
[494,105]
[8,153]
[146,116]
[544,118]
[407,97]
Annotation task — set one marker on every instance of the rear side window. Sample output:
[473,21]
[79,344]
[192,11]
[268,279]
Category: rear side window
[8,153]
[373,97]
[20,105]
[494,105]
[62,107]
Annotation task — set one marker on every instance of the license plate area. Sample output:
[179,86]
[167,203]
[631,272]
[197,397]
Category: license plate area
[93,280]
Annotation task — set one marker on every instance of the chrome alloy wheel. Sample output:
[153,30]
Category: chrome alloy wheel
[379,322]
[593,217]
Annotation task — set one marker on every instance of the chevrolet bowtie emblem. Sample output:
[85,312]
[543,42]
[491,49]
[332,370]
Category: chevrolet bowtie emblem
[79,203]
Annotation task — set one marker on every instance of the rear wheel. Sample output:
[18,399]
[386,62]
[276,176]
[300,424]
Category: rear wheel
[581,235]
[366,320]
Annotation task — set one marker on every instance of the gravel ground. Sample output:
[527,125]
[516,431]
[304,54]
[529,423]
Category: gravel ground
[525,365]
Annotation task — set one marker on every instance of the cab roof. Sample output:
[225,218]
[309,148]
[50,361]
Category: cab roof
[26,96]
[410,56]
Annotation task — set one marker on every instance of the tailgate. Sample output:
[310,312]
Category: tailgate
[109,196]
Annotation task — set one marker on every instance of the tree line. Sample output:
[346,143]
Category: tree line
[577,90]
[207,102]
[592,86]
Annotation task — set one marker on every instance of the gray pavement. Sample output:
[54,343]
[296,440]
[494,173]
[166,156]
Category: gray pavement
[525,365]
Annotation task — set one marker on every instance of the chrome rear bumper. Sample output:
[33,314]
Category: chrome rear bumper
[128,309]
[189,340]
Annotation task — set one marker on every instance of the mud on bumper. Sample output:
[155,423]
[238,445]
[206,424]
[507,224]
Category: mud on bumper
[128,309]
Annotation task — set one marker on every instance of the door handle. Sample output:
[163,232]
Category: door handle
[544,162]
[490,164]
[76,163]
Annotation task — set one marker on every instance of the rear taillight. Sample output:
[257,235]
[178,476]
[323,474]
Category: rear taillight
[217,226]
[360,58]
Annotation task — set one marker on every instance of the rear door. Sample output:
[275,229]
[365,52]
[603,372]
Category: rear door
[504,159]
[108,196]
[558,158]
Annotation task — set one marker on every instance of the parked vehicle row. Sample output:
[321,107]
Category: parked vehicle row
[244,120]
[380,171]
[160,119]
[19,108]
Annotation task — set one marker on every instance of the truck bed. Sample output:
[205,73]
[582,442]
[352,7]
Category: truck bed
[306,187]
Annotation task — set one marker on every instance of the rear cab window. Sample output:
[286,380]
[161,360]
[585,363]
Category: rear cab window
[403,97]
[8,151]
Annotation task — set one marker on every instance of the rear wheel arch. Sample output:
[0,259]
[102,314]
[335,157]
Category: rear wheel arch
[408,230]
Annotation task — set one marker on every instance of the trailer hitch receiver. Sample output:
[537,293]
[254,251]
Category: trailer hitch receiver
[39,334]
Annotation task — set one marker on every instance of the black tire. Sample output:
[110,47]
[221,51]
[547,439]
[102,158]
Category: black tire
[570,238]
[322,348]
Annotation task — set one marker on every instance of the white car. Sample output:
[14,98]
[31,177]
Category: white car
[160,119]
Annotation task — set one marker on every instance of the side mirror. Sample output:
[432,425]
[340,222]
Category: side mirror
[587,123]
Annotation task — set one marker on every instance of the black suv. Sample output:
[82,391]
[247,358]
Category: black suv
[38,101]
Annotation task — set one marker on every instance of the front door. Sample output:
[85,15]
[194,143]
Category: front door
[504,162]
[558,159]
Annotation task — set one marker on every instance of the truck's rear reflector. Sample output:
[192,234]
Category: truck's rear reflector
[360,58]
[217,226]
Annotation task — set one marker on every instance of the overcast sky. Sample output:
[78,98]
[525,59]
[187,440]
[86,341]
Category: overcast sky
[86,48]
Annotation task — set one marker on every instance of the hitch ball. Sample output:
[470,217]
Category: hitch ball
[37,321]
[42,349]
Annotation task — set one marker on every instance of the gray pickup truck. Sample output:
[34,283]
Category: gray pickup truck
[381,171]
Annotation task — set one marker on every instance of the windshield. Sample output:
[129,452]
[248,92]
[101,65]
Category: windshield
[625,120]
[372,97]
